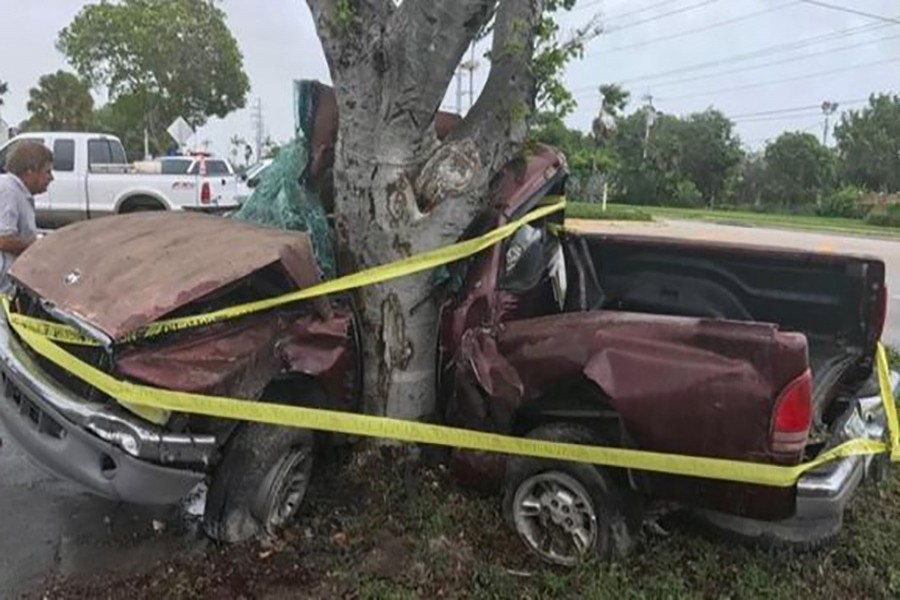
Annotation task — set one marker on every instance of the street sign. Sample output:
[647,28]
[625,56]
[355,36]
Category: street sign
[180,130]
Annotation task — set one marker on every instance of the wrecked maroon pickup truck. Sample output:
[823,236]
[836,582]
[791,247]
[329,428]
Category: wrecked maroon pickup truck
[702,349]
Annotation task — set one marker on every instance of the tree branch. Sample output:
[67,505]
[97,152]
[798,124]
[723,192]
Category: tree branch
[424,50]
[348,27]
[497,123]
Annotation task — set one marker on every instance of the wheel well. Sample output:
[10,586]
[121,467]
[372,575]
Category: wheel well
[579,402]
[140,202]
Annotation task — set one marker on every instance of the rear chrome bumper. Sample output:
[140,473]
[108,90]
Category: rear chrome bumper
[823,493]
[100,446]
[213,209]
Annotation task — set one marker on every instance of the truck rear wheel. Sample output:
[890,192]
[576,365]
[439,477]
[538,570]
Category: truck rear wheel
[140,204]
[259,486]
[564,511]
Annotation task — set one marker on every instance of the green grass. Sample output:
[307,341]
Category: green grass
[805,222]
[385,526]
[621,212]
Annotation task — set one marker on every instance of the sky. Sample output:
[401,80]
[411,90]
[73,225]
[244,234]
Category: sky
[768,64]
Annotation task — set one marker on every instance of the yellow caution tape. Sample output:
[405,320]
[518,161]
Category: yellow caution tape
[400,268]
[887,400]
[54,331]
[411,431]
[42,336]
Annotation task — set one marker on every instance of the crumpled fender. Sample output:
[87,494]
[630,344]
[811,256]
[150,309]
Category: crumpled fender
[685,385]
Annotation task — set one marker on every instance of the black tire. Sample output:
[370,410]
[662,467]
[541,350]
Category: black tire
[260,483]
[587,508]
[140,204]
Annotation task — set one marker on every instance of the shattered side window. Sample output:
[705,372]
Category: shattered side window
[524,263]
[531,257]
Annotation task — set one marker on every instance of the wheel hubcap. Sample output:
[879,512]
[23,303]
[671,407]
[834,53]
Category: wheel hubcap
[554,515]
[295,469]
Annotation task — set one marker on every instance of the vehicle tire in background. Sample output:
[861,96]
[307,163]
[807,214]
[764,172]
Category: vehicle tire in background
[260,483]
[563,510]
[140,204]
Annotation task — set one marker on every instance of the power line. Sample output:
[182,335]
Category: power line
[768,139]
[779,81]
[695,30]
[797,108]
[852,11]
[664,15]
[777,117]
[775,62]
[631,13]
[624,15]
[775,49]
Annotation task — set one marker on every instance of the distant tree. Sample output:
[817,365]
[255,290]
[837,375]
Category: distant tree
[4,89]
[710,152]
[124,117]
[549,128]
[60,102]
[649,168]
[868,143]
[683,161]
[613,101]
[799,170]
[270,148]
[747,186]
[158,60]
[582,154]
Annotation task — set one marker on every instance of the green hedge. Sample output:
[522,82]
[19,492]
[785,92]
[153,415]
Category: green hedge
[588,210]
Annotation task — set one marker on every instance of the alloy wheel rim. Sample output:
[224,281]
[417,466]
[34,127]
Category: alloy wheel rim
[555,517]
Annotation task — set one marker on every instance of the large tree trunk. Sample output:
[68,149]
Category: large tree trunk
[398,191]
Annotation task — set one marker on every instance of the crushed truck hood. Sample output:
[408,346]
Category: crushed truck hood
[121,273]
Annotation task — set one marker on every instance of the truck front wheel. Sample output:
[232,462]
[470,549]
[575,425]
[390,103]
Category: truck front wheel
[564,511]
[260,483]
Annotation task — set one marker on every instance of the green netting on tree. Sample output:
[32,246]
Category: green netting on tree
[280,200]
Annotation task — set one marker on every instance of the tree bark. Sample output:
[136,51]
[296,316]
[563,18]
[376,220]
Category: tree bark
[398,190]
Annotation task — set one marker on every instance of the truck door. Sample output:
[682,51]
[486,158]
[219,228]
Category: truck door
[64,200]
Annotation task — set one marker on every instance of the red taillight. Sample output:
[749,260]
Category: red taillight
[205,193]
[792,416]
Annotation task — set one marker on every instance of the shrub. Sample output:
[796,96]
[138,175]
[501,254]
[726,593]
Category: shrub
[884,216]
[585,210]
[687,195]
[844,202]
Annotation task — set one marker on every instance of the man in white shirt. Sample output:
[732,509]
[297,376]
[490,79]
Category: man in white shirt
[29,170]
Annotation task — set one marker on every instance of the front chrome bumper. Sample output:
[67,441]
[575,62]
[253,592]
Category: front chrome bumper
[98,445]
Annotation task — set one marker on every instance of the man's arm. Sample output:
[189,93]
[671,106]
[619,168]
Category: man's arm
[14,244]
[10,240]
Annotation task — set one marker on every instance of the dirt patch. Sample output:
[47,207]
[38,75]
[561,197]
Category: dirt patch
[377,519]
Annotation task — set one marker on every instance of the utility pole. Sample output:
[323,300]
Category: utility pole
[470,66]
[650,119]
[258,125]
[828,109]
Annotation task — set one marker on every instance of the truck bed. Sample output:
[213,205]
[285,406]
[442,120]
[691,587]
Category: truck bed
[837,301]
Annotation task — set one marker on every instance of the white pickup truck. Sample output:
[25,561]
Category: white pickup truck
[93,178]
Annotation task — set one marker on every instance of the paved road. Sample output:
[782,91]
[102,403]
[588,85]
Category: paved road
[48,527]
[887,250]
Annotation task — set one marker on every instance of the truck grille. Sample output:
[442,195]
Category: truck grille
[94,356]
[31,412]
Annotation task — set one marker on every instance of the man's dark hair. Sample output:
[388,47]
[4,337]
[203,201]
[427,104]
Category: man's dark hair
[28,155]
